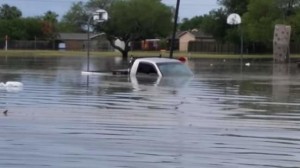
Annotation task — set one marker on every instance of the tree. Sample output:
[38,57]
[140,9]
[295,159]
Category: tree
[260,20]
[193,23]
[21,29]
[215,24]
[50,26]
[14,29]
[290,14]
[136,20]
[33,27]
[74,19]
[92,5]
[9,12]
[129,20]
[288,7]
[234,6]
[295,24]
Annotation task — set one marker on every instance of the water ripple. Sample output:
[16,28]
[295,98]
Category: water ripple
[217,119]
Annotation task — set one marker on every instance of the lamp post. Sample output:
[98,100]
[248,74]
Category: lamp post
[6,44]
[174,29]
[98,16]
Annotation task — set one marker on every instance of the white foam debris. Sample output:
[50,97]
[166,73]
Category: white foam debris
[11,86]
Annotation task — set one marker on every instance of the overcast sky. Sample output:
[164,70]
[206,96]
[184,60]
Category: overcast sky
[188,8]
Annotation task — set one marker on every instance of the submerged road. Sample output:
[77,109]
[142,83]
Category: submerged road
[221,118]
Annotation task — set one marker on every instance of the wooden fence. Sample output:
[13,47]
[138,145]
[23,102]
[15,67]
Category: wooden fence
[27,45]
[227,48]
[212,47]
[193,46]
[47,45]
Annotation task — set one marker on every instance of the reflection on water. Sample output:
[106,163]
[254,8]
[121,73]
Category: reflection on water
[177,82]
[225,116]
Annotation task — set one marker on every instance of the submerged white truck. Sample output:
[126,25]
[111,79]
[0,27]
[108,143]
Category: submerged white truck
[160,67]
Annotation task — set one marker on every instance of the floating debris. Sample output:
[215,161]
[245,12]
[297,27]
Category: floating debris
[11,86]
[5,112]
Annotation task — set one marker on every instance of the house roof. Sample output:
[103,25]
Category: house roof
[76,36]
[72,36]
[158,60]
[177,35]
[196,33]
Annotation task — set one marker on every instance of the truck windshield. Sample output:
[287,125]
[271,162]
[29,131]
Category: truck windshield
[174,69]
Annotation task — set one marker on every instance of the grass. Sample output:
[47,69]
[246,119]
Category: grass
[53,53]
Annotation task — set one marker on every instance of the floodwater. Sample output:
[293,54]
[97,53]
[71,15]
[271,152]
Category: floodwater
[226,116]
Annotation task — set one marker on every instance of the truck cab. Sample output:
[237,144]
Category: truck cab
[160,67]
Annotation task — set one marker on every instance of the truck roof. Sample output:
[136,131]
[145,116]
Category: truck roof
[157,60]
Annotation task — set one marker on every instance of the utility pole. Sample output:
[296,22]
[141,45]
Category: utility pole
[174,29]
[6,43]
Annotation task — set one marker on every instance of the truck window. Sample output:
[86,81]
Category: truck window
[146,68]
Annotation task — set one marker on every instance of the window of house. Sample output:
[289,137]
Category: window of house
[146,69]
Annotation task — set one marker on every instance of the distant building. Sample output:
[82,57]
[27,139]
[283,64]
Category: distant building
[78,41]
[151,44]
[72,41]
[194,35]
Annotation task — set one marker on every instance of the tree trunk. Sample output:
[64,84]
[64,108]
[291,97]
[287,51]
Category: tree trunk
[125,55]
[124,51]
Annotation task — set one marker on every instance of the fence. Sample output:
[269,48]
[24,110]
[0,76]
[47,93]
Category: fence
[193,46]
[27,45]
[46,45]
[211,47]
[227,48]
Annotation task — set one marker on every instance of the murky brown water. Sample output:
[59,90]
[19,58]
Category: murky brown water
[224,117]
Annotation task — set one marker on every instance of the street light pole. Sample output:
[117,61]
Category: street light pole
[174,29]
[88,43]
[242,43]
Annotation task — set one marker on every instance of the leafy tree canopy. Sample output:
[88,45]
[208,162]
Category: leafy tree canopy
[96,4]
[193,23]
[135,20]
[260,19]
[21,29]
[129,20]
[50,16]
[215,24]
[234,6]
[73,20]
[50,25]
[9,12]
[288,7]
